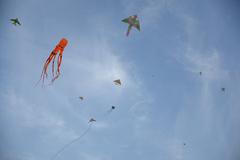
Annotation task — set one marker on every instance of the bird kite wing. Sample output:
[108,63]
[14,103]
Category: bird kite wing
[126,20]
[137,24]
[18,22]
[13,21]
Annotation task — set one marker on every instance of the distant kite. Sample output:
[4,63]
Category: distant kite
[111,109]
[223,89]
[59,48]
[117,82]
[200,73]
[91,120]
[81,98]
[132,21]
[15,21]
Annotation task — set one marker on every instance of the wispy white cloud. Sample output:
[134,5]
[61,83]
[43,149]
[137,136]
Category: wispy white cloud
[208,63]
[98,69]
[30,115]
[138,103]
[100,125]
[203,114]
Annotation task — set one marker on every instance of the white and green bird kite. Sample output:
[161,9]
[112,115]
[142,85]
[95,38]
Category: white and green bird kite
[15,21]
[133,22]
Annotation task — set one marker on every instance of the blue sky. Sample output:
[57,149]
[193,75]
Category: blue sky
[163,101]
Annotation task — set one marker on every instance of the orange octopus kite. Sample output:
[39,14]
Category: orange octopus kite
[59,48]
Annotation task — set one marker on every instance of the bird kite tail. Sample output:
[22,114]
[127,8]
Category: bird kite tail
[129,29]
[127,32]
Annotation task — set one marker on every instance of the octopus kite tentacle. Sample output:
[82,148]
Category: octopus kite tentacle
[58,49]
[53,65]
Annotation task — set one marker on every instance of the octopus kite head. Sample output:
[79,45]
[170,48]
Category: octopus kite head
[63,43]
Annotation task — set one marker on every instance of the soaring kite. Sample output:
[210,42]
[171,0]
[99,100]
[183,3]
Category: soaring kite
[91,120]
[117,82]
[59,48]
[15,21]
[81,98]
[111,109]
[132,21]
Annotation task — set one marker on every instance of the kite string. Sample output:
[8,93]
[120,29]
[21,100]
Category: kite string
[70,143]
[106,114]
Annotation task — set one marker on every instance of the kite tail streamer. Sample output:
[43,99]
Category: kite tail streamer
[44,71]
[53,65]
[129,29]
[70,143]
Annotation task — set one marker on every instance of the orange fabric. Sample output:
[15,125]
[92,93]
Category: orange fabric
[61,45]
[59,48]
